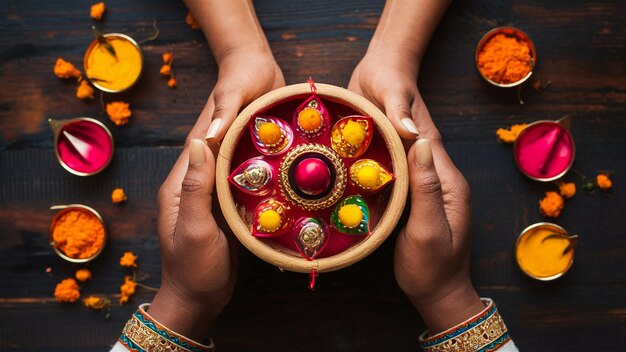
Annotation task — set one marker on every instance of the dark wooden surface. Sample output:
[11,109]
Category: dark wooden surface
[580,49]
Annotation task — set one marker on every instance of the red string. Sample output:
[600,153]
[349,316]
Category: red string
[312,277]
[312,84]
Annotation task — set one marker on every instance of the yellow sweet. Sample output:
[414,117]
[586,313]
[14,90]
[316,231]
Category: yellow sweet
[270,220]
[353,133]
[115,73]
[368,176]
[269,133]
[350,215]
[310,120]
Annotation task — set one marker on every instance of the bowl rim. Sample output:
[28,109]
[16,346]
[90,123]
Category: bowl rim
[390,215]
[90,48]
[510,31]
[62,209]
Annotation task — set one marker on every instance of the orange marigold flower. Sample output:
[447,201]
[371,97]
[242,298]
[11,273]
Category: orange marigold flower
[127,289]
[166,70]
[83,275]
[97,10]
[118,195]
[171,82]
[168,58]
[119,112]
[65,69]
[67,291]
[567,189]
[604,181]
[84,90]
[552,205]
[191,21]
[128,260]
[509,135]
[97,303]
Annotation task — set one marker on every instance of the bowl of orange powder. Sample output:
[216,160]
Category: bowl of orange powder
[77,233]
[505,57]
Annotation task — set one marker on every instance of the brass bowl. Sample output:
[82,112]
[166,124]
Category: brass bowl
[557,230]
[57,126]
[509,32]
[93,44]
[64,209]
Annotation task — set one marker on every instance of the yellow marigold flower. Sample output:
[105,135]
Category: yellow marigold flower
[191,21]
[604,181]
[83,275]
[119,112]
[97,10]
[84,90]
[118,195]
[567,189]
[509,135]
[65,69]
[128,260]
[127,289]
[67,291]
[97,303]
[552,205]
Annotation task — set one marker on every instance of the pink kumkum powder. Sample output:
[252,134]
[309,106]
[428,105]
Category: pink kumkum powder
[84,146]
[544,150]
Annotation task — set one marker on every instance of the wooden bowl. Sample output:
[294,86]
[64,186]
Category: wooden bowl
[390,212]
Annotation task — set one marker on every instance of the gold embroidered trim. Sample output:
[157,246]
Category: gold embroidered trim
[475,338]
[148,339]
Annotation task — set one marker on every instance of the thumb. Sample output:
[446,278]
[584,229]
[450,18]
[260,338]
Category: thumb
[427,211]
[227,105]
[195,195]
[398,110]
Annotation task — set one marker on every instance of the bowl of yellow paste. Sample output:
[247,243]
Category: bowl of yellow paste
[114,73]
[545,251]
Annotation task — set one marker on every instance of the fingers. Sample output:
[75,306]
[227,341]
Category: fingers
[398,110]
[227,105]
[194,216]
[427,209]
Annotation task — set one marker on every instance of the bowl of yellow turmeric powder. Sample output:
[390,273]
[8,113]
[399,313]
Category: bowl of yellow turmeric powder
[545,251]
[505,57]
[77,233]
[113,62]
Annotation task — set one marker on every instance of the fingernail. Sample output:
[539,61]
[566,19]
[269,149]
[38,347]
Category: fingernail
[213,128]
[423,152]
[197,153]
[409,125]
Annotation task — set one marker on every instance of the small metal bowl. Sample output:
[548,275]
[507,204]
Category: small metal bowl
[565,123]
[57,126]
[509,32]
[557,230]
[64,209]
[93,44]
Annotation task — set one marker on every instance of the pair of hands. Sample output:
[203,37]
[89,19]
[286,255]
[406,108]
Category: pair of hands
[431,258]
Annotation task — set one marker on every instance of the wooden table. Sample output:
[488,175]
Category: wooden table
[580,50]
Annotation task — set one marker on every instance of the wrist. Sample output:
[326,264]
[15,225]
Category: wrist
[449,306]
[186,316]
[389,54]
[234,51]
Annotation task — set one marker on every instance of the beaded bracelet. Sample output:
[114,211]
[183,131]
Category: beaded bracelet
[143,333]
[483,332]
